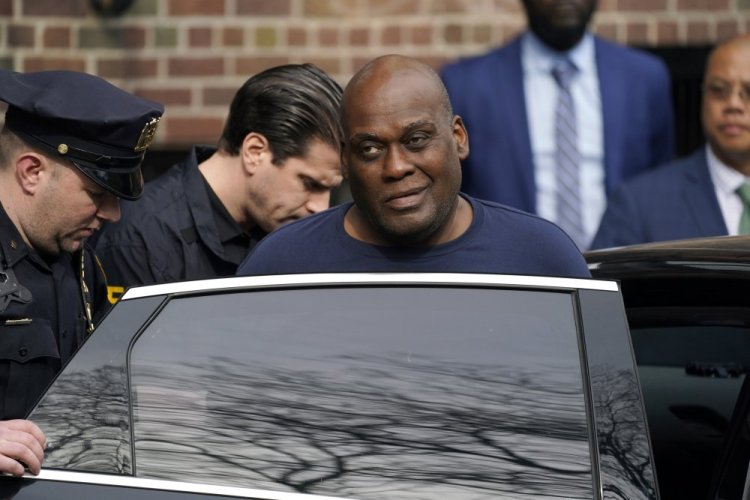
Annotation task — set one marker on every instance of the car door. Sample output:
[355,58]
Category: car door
[361,386]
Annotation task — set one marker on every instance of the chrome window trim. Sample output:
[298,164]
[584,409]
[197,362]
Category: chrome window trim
[180,486]
[370,278]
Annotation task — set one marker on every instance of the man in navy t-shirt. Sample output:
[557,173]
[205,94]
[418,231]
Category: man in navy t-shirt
[401,155]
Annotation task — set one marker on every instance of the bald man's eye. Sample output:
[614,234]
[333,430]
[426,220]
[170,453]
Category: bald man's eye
[368,151]
[417,141]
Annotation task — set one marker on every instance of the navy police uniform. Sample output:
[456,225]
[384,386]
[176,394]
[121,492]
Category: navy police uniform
[48,306]
[178,231]
[44,316]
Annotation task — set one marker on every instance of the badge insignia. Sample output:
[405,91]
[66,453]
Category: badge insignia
[12,290]
[147,135]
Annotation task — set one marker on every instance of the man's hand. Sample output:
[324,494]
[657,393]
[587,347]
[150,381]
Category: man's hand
[22,445]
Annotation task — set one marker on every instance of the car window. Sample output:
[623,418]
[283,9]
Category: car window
[380,392]
[85,413]
[691,375]
[732,478]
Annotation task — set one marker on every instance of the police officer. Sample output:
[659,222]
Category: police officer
[71,146]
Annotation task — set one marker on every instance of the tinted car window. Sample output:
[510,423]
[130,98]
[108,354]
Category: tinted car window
[690,376]
[85,413]
[732,478]
[624,450]
[378,393]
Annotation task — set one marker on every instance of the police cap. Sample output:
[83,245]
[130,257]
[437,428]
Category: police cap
[103,130]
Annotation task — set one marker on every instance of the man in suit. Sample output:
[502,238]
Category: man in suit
[507,99]
[696,196]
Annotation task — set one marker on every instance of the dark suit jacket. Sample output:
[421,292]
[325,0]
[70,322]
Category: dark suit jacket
[675,201]
[487,92]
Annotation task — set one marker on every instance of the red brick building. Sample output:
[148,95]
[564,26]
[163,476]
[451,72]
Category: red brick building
[193,54]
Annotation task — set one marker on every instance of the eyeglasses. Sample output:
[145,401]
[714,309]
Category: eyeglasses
[723,91]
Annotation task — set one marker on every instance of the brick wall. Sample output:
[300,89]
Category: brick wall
[193,54]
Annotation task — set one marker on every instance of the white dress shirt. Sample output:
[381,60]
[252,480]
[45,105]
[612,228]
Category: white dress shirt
[541,93]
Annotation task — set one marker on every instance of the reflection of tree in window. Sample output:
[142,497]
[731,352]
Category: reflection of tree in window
[380,429]
[623,446]
[85,418]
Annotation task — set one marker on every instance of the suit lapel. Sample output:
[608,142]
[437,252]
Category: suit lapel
[510,74]
[614,109]
[699,195]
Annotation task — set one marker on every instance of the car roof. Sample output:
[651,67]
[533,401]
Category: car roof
[715,256]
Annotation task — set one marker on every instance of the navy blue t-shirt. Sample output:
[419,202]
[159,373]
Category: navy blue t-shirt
[500,240]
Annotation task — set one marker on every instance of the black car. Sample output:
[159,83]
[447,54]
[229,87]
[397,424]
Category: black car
[688,307]
[368,386]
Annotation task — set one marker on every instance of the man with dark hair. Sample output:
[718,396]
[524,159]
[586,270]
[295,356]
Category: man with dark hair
[277,161]
[560,116]
[401,155]
[708,192]
[70,147]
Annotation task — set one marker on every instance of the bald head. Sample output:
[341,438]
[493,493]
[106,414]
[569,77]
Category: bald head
[392,72]
[402,155]
[740,43]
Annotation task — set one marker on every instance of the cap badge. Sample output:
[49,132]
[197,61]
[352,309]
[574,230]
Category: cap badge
[147,135]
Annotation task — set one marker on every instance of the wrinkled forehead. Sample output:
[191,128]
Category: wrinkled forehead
[402,92]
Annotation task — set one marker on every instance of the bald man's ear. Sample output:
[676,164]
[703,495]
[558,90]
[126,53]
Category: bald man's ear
[255,150]
[32,169]
[461,137]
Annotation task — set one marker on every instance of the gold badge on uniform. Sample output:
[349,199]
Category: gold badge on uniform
[147,135]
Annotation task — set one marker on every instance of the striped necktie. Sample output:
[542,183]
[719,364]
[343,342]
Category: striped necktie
[744,193]
[567,157]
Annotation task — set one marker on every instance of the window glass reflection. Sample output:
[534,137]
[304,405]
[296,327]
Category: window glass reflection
[375,392]
[85,415]
[690,376]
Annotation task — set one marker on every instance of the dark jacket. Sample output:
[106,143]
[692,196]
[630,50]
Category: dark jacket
[487,91]
[673,202]
[170,234]
[42,316]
